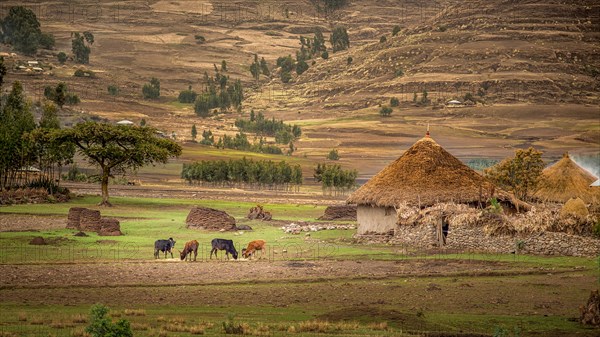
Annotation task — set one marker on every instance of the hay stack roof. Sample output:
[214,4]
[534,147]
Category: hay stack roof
[425,175]
[565,180]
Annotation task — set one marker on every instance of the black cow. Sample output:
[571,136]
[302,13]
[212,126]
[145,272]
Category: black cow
[165,246]
[226,245]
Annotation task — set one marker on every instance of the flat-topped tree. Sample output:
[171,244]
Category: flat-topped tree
[118,148]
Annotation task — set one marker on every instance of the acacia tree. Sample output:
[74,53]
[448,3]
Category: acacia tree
[118,148]
[520,174]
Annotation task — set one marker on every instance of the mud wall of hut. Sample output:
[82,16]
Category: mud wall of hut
[475,240]
[375,219]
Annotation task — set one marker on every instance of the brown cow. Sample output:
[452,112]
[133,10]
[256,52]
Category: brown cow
[253,246]
[190,246]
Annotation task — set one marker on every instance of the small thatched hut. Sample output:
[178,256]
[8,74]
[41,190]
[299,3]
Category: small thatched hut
[565,180]
[423,176]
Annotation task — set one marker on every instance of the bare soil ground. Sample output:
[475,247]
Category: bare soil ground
[22,223]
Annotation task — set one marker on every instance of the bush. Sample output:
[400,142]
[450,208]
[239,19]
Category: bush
[47,40]
[333,155]
[72,99]
[102,326]
[349,60]
[394,102]
[596,229]
[285,76]
[382,39]
[301,67]
[385,111]
[113,90]
[62,57]
[199,38]
[399,73]
[152,89]
[187,96]
[84,73]
[325,55]
[396,30]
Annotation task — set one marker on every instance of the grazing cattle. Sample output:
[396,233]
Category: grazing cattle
[165,246]
[190,246]
[253,246]
[226,245]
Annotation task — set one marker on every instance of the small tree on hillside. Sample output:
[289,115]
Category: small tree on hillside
[194,132]
[62,57]
[333,155]
[519,174]
[80,45]
[394,102]
[152,89]
[385,111]
[339,39]
[102,326]
[396,30]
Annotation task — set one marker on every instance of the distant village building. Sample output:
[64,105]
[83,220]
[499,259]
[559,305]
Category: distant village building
[125,122]
[33,63]
[454,103]
[37,69]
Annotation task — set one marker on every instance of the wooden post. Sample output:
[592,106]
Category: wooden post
[440,233]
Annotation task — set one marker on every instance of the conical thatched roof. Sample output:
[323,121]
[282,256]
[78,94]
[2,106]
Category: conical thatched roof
[425,175]
[564,180]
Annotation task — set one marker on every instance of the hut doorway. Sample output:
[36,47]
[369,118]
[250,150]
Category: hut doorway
[442,229]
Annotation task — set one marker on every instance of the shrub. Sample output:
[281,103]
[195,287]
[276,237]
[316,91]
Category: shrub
[394,102]
[285,76]
[199,38]
[301,67]
[333,155]
[325,55]
[349,60]
[112,89]
[187,96]
[385,111]
[382,39]
[62,57]
[399,72]
[396,30]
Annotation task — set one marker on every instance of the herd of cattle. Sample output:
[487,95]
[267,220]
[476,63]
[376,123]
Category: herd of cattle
[167,246]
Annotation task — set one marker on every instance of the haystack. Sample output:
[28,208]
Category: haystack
[575,207]
[423,176]
[109,227]
[565,180]
[209,219]
[339,212]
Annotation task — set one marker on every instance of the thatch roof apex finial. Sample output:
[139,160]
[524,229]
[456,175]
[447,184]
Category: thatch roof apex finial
[427,133]
[566,155]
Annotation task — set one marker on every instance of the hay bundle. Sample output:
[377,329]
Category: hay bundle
[458,215]
[496,224]
[575,208]
[109,227]
[209,219]
[565,180]
[73,217]
[590,312]
[339,212]
[426,175]
[89,220]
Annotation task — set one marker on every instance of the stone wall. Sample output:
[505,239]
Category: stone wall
[475,240]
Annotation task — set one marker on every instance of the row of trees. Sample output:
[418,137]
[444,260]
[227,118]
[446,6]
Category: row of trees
[309,49]
[283,133]
[334,179]
[220,93]
[259,174]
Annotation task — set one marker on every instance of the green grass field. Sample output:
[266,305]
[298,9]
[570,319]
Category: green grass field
[380,306]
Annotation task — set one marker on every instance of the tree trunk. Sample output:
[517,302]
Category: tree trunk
[104,185]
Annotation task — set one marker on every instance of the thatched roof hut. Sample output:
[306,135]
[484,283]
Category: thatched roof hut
[424,175]
[564,180]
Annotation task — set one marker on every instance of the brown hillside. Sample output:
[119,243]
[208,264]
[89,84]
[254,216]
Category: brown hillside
[508,51]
